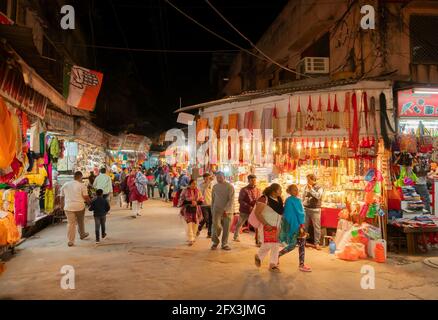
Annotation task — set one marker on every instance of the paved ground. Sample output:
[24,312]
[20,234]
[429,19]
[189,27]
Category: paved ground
[146,258]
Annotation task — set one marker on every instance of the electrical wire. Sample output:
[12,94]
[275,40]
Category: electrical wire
[251,43]
[124,37]
[152,50]
[211,31]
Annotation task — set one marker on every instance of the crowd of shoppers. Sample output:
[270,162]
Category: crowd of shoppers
[277,223]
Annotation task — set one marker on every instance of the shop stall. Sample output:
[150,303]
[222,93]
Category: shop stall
[341,134]
[413,208]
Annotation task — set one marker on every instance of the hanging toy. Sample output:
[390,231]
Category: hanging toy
[320,121]
[336,116]
[329,115]
[310,118]
[298,118]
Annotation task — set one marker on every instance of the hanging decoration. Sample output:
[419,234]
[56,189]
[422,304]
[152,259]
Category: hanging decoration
[310,118]
[299,119]
[320,121]
[354,142]
[288,119]
[336,116]
[329,115]
[347,116]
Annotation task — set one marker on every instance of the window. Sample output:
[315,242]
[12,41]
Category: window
[4,6]
[320,48]
[424,40]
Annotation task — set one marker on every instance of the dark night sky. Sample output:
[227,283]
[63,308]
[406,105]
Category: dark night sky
[143,88]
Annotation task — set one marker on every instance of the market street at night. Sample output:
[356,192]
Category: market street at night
[230,156]
[147,258]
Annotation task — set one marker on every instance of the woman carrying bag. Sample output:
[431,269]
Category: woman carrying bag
[268,210]
[190,201]
[292,227]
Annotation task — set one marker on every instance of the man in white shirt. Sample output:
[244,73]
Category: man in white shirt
[75,195]
[104,182]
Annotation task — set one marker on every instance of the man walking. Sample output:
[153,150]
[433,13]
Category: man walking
[247,200]
[103,181]
[312,198]
[75,194]
[221,205]
[206,188]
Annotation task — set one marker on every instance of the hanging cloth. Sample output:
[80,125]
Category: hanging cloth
[373,117]
[336,115]
[18,141]
[24,124]
[7,137]
[365,110]
[288,119]
[266,121]
[49,200]
[248,121]
[347,116]
[217,125]
[275,123]
[54,149]
[384,121]
[329,115]
[201,124]
[20,208]
[310,118]
[320,121]
[355,130]
[298,118]
[233,121]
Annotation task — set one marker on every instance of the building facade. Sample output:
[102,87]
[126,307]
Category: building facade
[401,47]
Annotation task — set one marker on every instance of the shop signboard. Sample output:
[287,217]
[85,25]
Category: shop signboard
[59,122]
[14,89]
[417,105]
[89,133]
[132,142]
[115,142]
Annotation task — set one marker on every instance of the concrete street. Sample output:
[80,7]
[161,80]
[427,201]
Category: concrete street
[147,258]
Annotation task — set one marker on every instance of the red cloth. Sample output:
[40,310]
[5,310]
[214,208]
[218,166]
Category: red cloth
[329,217]
[20,208]
[134,195]
[355,129]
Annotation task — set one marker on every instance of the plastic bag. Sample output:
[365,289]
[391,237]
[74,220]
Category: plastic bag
[353,252]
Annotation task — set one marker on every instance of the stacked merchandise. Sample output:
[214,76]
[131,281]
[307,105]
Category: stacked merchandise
[90,159]
[411,202]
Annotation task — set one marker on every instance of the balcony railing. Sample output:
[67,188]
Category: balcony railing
[424,73]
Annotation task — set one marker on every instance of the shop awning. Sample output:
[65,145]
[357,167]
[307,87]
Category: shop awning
[21,39]
[35,68]
[303,85]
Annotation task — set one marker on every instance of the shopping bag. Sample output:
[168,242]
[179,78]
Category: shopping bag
[252,220]
[270,236]
[234,223]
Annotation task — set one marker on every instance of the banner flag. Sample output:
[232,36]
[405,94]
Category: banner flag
[84,88]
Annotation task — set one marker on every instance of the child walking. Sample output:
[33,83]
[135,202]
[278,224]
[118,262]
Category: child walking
[100,208]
